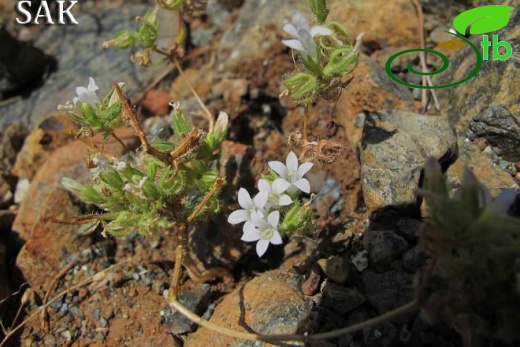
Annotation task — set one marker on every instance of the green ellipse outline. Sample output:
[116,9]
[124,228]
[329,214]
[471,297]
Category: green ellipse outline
[445,65]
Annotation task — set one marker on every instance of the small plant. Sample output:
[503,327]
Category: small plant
[473,282]
[325,56]
[164,184]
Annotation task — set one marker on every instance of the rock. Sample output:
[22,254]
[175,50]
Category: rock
[79,54]
[413,259]
[341,299]
[312,281]
[6,196]
[55,130]
[329,199]
[156,101]
[22,186]
[371,90]
[196,300]
[21,64]
[389,290]
[337,268]
[383,246]
[395,146]
[383,334]
[487,106]
[482,166]
[270,304]
[49,243]
[12,141]
[360,260]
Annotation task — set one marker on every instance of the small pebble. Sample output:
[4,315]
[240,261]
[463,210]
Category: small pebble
[103,323]
[49,340]
[132,292]
[360,260]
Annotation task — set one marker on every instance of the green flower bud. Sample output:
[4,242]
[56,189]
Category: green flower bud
[89,194]
[296,219]
[342,61]
[340,32]
[72,186]
[171,5]
[319,8]
[122,40]
[149,27]
[88,112]
[111,178]
[220,128]
[302,87]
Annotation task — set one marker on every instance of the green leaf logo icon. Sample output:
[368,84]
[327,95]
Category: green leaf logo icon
[482,20]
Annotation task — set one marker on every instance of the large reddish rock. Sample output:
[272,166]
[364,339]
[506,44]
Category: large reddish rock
[48,243]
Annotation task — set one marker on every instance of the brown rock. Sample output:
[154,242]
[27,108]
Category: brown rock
[5,290]
[12,142]
[370,90]
[482,166]
[270,304]
[156,101]
[49,243]
[54,131]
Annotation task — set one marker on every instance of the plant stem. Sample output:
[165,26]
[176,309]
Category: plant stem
[291,337]
[305,116]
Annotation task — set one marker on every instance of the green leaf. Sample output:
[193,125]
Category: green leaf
[482,20]
[180,124]
[163,146]
[319,8]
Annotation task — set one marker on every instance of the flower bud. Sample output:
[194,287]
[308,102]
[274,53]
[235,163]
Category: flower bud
[220,128]
[302,87]
[342,61]
[296,219]
[149,27]
[142,58]
[122,40]
[319,8]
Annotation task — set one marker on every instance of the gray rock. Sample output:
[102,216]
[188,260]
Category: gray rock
[389,290]
[413,259]
[341,299]
[383,334]
[395,145]
[486,106]
[383,246]
[79,54]
[196,300]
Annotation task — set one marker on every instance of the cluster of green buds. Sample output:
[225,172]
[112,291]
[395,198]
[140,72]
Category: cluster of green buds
[474,284]
[148,30]
[327,54]
[163,183]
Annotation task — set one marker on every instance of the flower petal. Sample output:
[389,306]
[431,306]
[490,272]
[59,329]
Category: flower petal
[320,30]
[294,44]
[81,90]
[299,21]
[263,185]
[273,218]
[251,236]
[279,185]
[279,168]
[304,168]
[75,100]
[92,85]
[244,199]
[303,185]
[238,216]
[261,247]
[260,199]
[291,30]
[276,239]
[285,200]
[249,228]
[292,162]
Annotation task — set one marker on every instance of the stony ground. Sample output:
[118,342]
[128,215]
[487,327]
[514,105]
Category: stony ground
[361,256]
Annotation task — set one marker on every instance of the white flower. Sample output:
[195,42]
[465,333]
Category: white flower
[293,173]
[263,231]
[303,37]
[275,191]
[87,95]
[250,208]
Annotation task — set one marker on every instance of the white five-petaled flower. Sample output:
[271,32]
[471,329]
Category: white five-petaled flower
[250,208]
[88,94]
[303,37]
[293,173]
[263,231]
[275,191]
